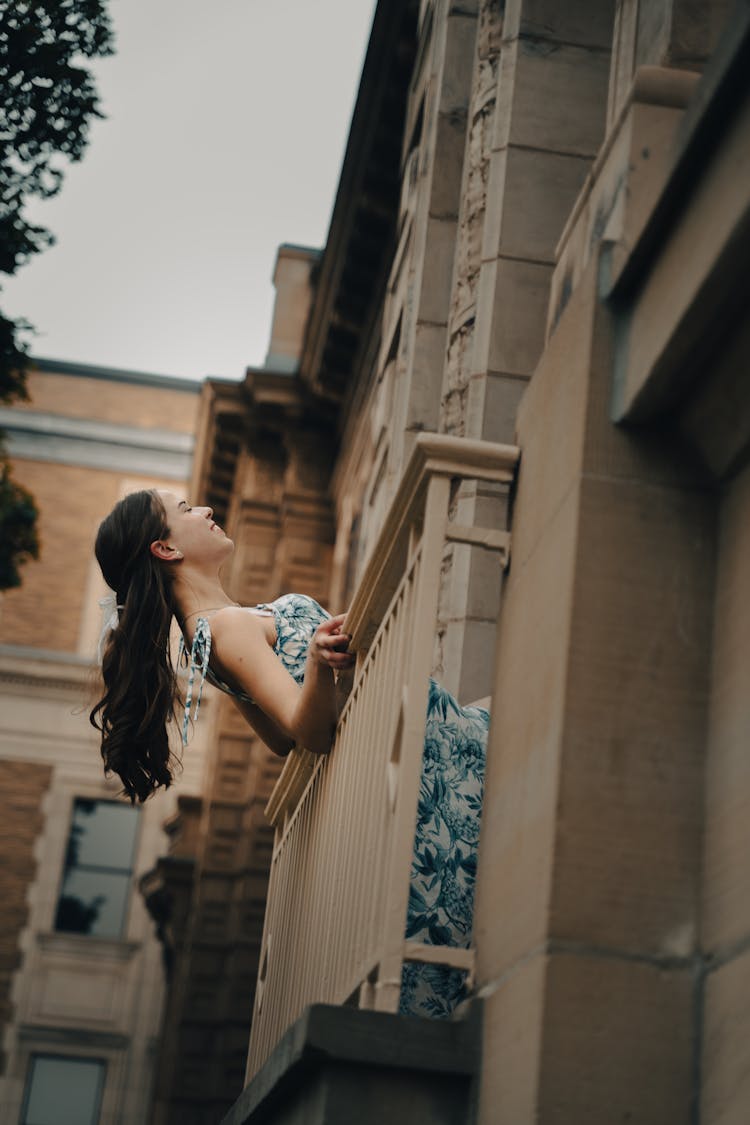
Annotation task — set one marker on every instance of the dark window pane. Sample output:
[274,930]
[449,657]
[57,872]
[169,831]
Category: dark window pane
[93,902]
[102,835]
[63,1091]
[98,867]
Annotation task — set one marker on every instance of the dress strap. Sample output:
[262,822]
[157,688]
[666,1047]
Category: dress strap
[200,651]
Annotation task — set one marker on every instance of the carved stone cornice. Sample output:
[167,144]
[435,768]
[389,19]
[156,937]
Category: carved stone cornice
[26,671]
[362,233]
[96,444]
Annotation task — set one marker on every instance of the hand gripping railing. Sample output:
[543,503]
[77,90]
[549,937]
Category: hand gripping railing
[345,822]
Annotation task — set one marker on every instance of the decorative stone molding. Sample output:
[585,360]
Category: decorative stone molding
[38,436]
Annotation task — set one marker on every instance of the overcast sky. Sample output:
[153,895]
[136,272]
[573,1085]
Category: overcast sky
[226,126]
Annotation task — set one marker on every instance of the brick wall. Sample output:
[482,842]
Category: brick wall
[111,401]
[45,611]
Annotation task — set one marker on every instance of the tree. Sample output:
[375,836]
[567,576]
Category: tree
[47,103]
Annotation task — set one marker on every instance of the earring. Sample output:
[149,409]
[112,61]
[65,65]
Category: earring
[179,555]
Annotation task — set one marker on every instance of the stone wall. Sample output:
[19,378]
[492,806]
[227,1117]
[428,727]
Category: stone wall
[725,926]
[536,123]
[22,786]
[611,919]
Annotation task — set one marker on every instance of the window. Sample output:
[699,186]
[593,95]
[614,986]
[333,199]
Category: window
[98,866]
[63,1091]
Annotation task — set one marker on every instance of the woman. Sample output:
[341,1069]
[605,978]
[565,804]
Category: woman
[161,557]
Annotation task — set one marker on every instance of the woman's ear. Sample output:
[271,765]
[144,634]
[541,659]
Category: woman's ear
[163,551]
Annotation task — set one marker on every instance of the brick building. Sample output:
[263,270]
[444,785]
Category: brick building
[81,978]
[504,421]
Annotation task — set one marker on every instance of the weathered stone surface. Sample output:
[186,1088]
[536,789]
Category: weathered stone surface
[725,1059]
[614,207]
[426,376]
[630,812]
[617,1043]
[513,1028]
[588,23]
[503,395]
[437,271]
[559,97]
[450,142]
[495,212]
[726,912]
[679,32]
[389,1067]
[469,235]
[518,818]
[539,190]
[511,313]
[458,57]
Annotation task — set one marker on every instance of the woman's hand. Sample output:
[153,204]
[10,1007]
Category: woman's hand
[329,645]
[307,714]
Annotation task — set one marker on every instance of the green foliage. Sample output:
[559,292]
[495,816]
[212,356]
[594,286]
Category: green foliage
[14,359]
[18,535]
[48,100]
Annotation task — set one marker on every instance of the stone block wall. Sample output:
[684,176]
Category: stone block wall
[611,917]
[22,789]
[536,121]
[590,861]
[725,927]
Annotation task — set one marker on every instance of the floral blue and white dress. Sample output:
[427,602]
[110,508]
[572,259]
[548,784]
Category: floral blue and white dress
[444,863]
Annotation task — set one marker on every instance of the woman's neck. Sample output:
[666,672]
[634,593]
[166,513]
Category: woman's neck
[198,592]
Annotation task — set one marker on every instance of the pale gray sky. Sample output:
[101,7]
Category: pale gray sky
[226,126]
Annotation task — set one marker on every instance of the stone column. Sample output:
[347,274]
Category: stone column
[725,929]
[537,119]
[437,120]
[589,872]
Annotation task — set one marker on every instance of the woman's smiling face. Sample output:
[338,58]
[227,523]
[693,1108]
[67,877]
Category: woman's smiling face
[193,531]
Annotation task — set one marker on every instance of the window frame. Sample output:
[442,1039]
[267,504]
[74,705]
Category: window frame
[130,871]
[60,1057]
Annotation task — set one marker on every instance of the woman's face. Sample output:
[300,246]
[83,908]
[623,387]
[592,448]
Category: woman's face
[192,531]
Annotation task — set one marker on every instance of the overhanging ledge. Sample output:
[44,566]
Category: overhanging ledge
[325,1059]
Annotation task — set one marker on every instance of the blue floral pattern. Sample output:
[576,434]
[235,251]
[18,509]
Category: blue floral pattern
[444,862]
[296,618]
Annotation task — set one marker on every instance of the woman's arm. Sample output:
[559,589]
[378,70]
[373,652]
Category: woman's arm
[267,730]
[304,714]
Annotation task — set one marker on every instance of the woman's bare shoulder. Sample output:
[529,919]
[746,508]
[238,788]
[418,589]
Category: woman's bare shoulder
[239,623]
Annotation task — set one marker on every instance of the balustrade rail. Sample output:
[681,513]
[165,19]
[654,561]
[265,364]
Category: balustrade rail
[345,822]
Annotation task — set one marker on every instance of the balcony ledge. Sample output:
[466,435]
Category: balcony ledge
[340,1064]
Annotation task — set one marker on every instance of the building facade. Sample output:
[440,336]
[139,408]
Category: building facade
[530,308]
[82,978]
[537,253]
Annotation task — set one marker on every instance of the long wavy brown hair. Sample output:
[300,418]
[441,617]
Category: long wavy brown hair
[140,684]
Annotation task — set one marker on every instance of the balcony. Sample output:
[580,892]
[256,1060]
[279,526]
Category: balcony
[344,823]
